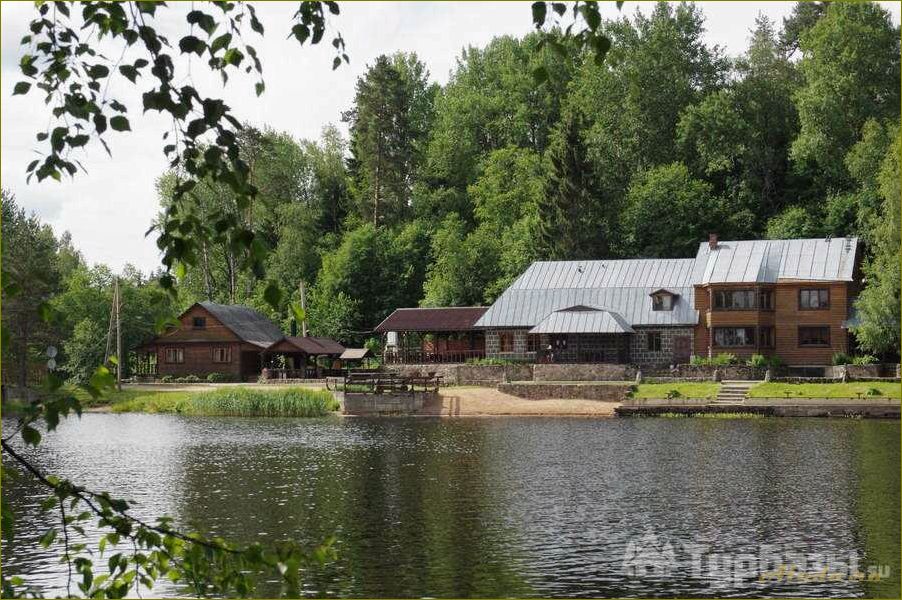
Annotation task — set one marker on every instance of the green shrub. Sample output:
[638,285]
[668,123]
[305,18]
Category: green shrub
[699,361]
[289,402]
[218,377]
[865,359]
[873,392]
[490,361]
[841,358]
[674,394]
[166,379]
[724,359]
[757,360]
[191,379]
[760,360]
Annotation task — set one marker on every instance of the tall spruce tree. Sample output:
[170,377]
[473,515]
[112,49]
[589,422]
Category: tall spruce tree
[572,223]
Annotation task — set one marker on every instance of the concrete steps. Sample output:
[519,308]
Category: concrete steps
[733,393]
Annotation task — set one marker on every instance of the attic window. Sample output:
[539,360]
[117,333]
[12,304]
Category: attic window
[199,323]
[662,301]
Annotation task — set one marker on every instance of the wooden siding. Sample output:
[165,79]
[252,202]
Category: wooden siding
[786,318]
[199,360]
[214,331]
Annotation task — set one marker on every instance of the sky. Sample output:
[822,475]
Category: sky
[109,209]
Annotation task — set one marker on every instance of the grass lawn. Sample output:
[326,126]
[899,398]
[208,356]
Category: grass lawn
[693,389]
[825,390]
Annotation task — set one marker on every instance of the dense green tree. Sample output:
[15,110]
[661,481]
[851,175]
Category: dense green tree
[30,278]
[464,265]
[793,222]
[575,222]
[738,137]
[387,125]
[879,302]
[804,15]
[668,212]
[850,64]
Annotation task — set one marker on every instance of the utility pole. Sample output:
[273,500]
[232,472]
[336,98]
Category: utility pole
[303,291]
[118,301]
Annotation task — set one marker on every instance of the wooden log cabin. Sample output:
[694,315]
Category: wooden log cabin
[230,340]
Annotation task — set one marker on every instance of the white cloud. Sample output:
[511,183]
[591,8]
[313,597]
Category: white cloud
[109,209]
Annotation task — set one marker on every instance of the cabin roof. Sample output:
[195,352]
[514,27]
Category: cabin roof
[582,319]
[245,322]
[310,345]
[617,286]
[458,318]
[768,261]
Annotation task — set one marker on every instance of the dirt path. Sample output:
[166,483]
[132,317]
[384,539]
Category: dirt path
[484,401]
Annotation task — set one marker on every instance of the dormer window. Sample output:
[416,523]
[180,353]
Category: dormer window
[662,300]
[199,323]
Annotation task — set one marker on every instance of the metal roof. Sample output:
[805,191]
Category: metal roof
[245,322]
[355,353]
[619,286]
[767,261]
[459,318]
[582,319]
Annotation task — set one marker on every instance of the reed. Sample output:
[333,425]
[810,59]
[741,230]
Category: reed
[238,402]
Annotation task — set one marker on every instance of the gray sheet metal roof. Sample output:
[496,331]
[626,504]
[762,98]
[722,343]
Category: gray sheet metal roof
[767,261]
[248,324]
[582,319]
[620,286]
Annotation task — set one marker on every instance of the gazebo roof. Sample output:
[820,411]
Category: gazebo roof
[308,345]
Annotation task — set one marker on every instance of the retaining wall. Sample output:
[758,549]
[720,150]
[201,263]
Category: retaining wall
[464,374]
[382,404]
[584,372]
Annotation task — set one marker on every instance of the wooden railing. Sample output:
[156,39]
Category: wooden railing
[305,373]
[415,357]
[383,382]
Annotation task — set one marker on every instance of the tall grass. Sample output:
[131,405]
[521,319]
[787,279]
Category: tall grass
[238,402]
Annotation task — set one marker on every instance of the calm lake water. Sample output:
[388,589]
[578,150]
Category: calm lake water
[504,506]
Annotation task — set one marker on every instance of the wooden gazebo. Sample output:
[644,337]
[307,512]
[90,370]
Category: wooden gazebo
[300,357]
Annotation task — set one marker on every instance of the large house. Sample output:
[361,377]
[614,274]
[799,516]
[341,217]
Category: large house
[235,341]
[789,298]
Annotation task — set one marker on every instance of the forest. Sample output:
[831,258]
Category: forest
[442,195]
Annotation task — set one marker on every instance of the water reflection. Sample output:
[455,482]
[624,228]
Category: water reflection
[498,507]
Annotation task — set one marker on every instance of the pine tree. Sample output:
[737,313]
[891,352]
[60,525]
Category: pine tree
[571,220]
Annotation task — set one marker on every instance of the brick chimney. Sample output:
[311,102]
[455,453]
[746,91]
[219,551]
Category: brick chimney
[712,241]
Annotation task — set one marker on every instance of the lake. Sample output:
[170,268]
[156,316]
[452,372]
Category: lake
[505,506]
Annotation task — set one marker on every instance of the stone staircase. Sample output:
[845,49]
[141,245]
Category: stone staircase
[733,393]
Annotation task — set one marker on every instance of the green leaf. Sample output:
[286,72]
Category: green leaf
[102,379]
[31,436]
[273,294]
[21,88]
[189,44]
[98,71]
[221,42]
[260,87]
[298,312]
[48,537]
[539,10]
[129,72]
[119,123]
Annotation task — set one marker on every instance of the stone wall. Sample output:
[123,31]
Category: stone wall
[863,371]
[704,372]
[584,372]
[464,374]
[639,352]
[519,351]
[382,404]
[608,392]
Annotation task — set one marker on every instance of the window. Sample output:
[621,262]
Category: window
[814,336]
[662,302]
[222,354]
[734,336]
[734,300]
[532,343]
[765,299]
[653,341]
[766,337]
[559,342]
[199,323]
[175,355]
[817,299]
[505,341]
